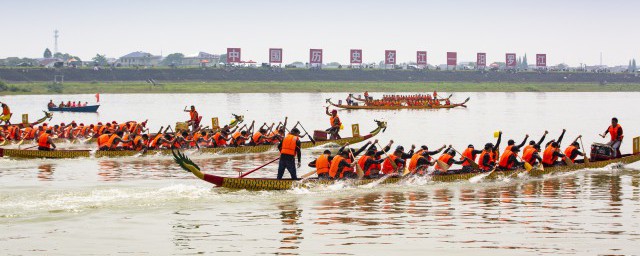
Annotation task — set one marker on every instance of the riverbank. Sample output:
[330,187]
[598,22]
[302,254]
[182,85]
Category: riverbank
[276,87]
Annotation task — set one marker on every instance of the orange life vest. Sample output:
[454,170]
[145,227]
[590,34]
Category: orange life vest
[43,141]
[508,148]
[547,156]
[127,145]
[335,121]
[289,145]
[5,110]
[362,161]
[528,155]
[468,153]
[193,115]
[481,161]
[504,160]
[335,163]
[154,142]
[103,140]
[526,148]
[614,132]
[220,141]
[413,163]
[444,158]
[387,167]
[567,153]
[138,143]
[322,164]
[257,138]
[238,138]
[111,142]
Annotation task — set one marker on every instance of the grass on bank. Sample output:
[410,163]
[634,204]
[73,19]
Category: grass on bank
[276,87]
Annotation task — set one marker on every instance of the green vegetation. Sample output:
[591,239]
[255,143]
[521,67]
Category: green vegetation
[275,87]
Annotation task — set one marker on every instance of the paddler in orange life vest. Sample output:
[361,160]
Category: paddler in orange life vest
[115,139]
[615,130]
[471,153]
[45,142]
[573,151]
[422,159]
[486,162]
[340,166]
[290,148]
[335,124]
[194,118]
[512,143]
[509,159]
[322,165]
[102,140]
[396,162]
[552,153]
[448,157]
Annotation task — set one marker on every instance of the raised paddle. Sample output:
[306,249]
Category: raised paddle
[586,158]
[258,168]
[309,136]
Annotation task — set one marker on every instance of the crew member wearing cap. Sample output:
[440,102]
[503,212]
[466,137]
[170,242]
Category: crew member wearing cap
[335,124]
[422,159]
[448,157]
[396,162]
[470,153]
[573,151]
[290,148]
[616,136]
[509,159]
[45,142]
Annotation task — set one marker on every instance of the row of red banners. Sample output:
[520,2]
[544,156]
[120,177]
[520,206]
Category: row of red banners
[355,57]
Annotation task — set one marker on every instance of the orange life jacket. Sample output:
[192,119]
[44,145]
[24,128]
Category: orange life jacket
[614,132]
[220,141]
[387,167]
[444,158]
[335,121]
[28,133]
[362,161]
[193,115]
[103,140]
[413,163]
[238,138]
[43,141]
[548,157]
[127,145]
[5,110]
[322,164]
[508,148]
[526,148]
[335,163]
[504,160]
[154,142]
[257,138]
[138,143]
[468,153]
[481,161]
[111,142]
[567,153]
[528,155]
[289,145]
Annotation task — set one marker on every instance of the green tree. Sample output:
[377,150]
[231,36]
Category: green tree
[100,60]
[525,64]
[223,58]
[173,59]
[65,56]
[47,53]
[634,68]
[629,68]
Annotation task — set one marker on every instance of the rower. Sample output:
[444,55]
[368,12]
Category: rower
[509,159]
[573,151]
[533,143]
[349,171]
[6,114]
[239,138]
[552,152]
[512,143]
[335,124]
[422,159]
[116,139]
[395,162]
[338,165]
[531,155]
[487,161]
[194,119]
[289,148]
[369,164]
[103,139]
[221,138]
[322,165]
[470,153]
[375,167]
[448,157]
[140,142]
[45,142]
[180,140]
[615,130]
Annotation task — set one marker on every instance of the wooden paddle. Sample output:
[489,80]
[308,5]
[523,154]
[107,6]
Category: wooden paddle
[527,165]
[358,169]
[305,131]
[306,175]
[586,158]
[471,162]
[258,168]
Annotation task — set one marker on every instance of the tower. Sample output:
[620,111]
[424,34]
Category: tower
[55,37]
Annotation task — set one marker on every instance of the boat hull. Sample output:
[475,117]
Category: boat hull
[399,107]
[84,109]
[274,184]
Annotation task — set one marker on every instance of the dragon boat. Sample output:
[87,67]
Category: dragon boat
[47,116]
[364,106]
[22,153]
[450,176]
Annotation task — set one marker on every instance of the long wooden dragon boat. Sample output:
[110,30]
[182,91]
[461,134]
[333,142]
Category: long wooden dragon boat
[21,153]
[399,107]
[47,116]
[285,184]
[238,119]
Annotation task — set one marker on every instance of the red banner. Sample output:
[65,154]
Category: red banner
[421,58]
[233,55]
[355,56]
[390,57]
[452,58]
[481,60]
[541,60]
[510,60]
[275,55]
[315,56]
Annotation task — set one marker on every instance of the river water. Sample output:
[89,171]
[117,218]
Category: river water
[148,205]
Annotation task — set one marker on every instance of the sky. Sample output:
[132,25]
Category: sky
[568,31]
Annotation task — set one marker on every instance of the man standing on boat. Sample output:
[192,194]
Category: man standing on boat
[194,118]
[335,124]
[614,129]
[289,149]
[6,114]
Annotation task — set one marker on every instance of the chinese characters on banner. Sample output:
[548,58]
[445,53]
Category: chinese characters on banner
[510,60]
[355,56]
[481,60]
[315,56]
[233,55]
[275,55]
[541,60]
[390,57]
[452,58]
[421,57]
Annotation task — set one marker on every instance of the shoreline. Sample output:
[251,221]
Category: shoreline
[141,87]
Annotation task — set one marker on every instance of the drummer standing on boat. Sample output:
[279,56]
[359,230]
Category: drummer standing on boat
[335,124]
[290,148]
[615,130]
[6,114]
[193,117]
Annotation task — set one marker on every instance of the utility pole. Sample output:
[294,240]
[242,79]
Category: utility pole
[55,36]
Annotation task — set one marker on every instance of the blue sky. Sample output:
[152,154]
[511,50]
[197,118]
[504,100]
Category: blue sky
[567,31]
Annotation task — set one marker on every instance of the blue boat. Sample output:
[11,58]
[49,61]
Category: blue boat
[83,109]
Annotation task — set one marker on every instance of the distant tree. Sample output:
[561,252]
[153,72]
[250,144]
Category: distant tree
[65,56]
[173,59]
[223,58]
[15,61]
[100,60]
[634,68]
[525,64]
[333,64]
[630,67]
[47,53]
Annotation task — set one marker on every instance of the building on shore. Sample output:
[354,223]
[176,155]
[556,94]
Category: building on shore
[139,59]
[201,59]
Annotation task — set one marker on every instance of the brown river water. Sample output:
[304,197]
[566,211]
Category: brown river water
[149,206]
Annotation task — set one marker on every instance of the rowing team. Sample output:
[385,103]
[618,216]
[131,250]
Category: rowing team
[414,97]
[387,103]
[373,164]
[70,131]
